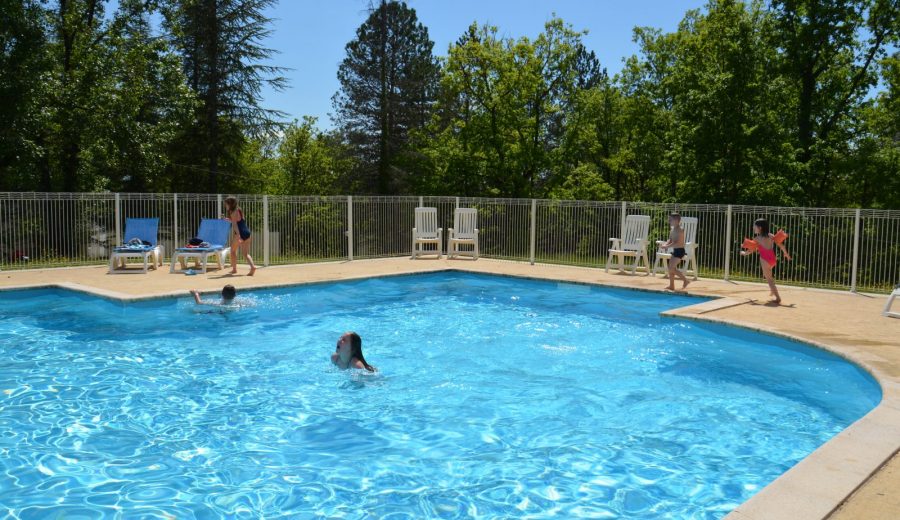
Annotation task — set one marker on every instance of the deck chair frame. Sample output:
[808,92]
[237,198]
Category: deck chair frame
[890,301]
[633,244]
[151,257]
[463,232]
[426,232]
[689,262]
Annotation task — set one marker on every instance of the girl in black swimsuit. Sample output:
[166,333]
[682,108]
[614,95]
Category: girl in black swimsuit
[242,237]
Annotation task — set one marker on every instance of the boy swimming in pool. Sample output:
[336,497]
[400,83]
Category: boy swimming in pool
[228,294]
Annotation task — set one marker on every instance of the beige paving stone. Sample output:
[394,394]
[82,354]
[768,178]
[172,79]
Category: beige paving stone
[856,475]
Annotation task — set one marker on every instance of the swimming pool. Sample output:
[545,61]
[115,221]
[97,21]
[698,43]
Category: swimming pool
[497,397]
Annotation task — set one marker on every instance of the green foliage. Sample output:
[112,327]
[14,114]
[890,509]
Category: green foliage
[311,162]
[782,102]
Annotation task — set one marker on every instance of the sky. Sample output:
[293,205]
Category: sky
[310,35]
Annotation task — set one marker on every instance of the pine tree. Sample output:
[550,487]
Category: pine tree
[388,85]
[221,43]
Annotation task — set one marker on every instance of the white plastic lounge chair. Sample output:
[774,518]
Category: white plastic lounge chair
[632,245]
[426,232]
[141,241]
[689,265]
[890,301]
[463,232]
[214,233]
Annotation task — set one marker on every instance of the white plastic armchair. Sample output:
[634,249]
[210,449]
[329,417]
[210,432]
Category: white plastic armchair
[463,232]
[633,244]
[426,232]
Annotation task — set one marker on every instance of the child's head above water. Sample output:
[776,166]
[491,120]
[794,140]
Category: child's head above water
[761,227]
[228,293]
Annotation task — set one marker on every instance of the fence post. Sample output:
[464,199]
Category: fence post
[175,221]
[118,221]
[349,231]
[421,201]
[266,230]
[855,253]
[218,205]
[727,243]
[533,226]
[622,222]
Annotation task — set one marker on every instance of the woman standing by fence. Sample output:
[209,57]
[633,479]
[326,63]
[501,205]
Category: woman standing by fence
[242,235]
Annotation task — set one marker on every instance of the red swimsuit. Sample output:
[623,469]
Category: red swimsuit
[768,255]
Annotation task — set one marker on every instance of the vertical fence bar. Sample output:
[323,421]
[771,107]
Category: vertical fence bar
[118,221]
[855,265]
[266,230]
[727,242]
[421,204]
[218,205]
[350,227]
[533,227]
[622,221]
[175,221]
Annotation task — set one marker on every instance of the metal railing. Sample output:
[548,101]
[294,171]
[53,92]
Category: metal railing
[851,249]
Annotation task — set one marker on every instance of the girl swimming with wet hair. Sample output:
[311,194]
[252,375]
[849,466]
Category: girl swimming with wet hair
[348,353]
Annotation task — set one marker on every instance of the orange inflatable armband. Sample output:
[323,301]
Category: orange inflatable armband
[749,244]
[780,237]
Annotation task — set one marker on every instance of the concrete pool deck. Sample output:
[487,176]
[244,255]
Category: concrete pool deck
[855,475]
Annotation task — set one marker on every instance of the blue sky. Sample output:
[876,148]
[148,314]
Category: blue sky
[311,35]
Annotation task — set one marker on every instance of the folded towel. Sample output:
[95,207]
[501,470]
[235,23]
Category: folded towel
[207,247]
[133,247]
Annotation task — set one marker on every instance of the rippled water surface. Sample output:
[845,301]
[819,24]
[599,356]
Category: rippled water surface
[496,398]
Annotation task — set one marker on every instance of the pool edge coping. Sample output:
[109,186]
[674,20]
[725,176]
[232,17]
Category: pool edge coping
[793,494]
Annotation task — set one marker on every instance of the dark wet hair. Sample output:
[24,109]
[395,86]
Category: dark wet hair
[675,215]
[356,350]
[231,205]
[228,292]
[763,226]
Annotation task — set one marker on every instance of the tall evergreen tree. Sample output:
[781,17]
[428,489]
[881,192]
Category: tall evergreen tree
[224,61]
[388,86]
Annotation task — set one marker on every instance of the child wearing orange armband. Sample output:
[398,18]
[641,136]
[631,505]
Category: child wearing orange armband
[765,243]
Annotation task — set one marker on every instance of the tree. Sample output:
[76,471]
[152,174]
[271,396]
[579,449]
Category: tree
[24,65]
[388,82]
[727,116]
[831,65]
[312,162]
[221,44]
[144,102]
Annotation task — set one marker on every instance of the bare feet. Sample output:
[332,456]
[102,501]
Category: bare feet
[670,288]
[686,282]
[234,271]
[252,270]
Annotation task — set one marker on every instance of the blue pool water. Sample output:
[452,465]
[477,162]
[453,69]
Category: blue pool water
[496,398]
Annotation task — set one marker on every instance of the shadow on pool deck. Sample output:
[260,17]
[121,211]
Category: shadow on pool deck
[848,324]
